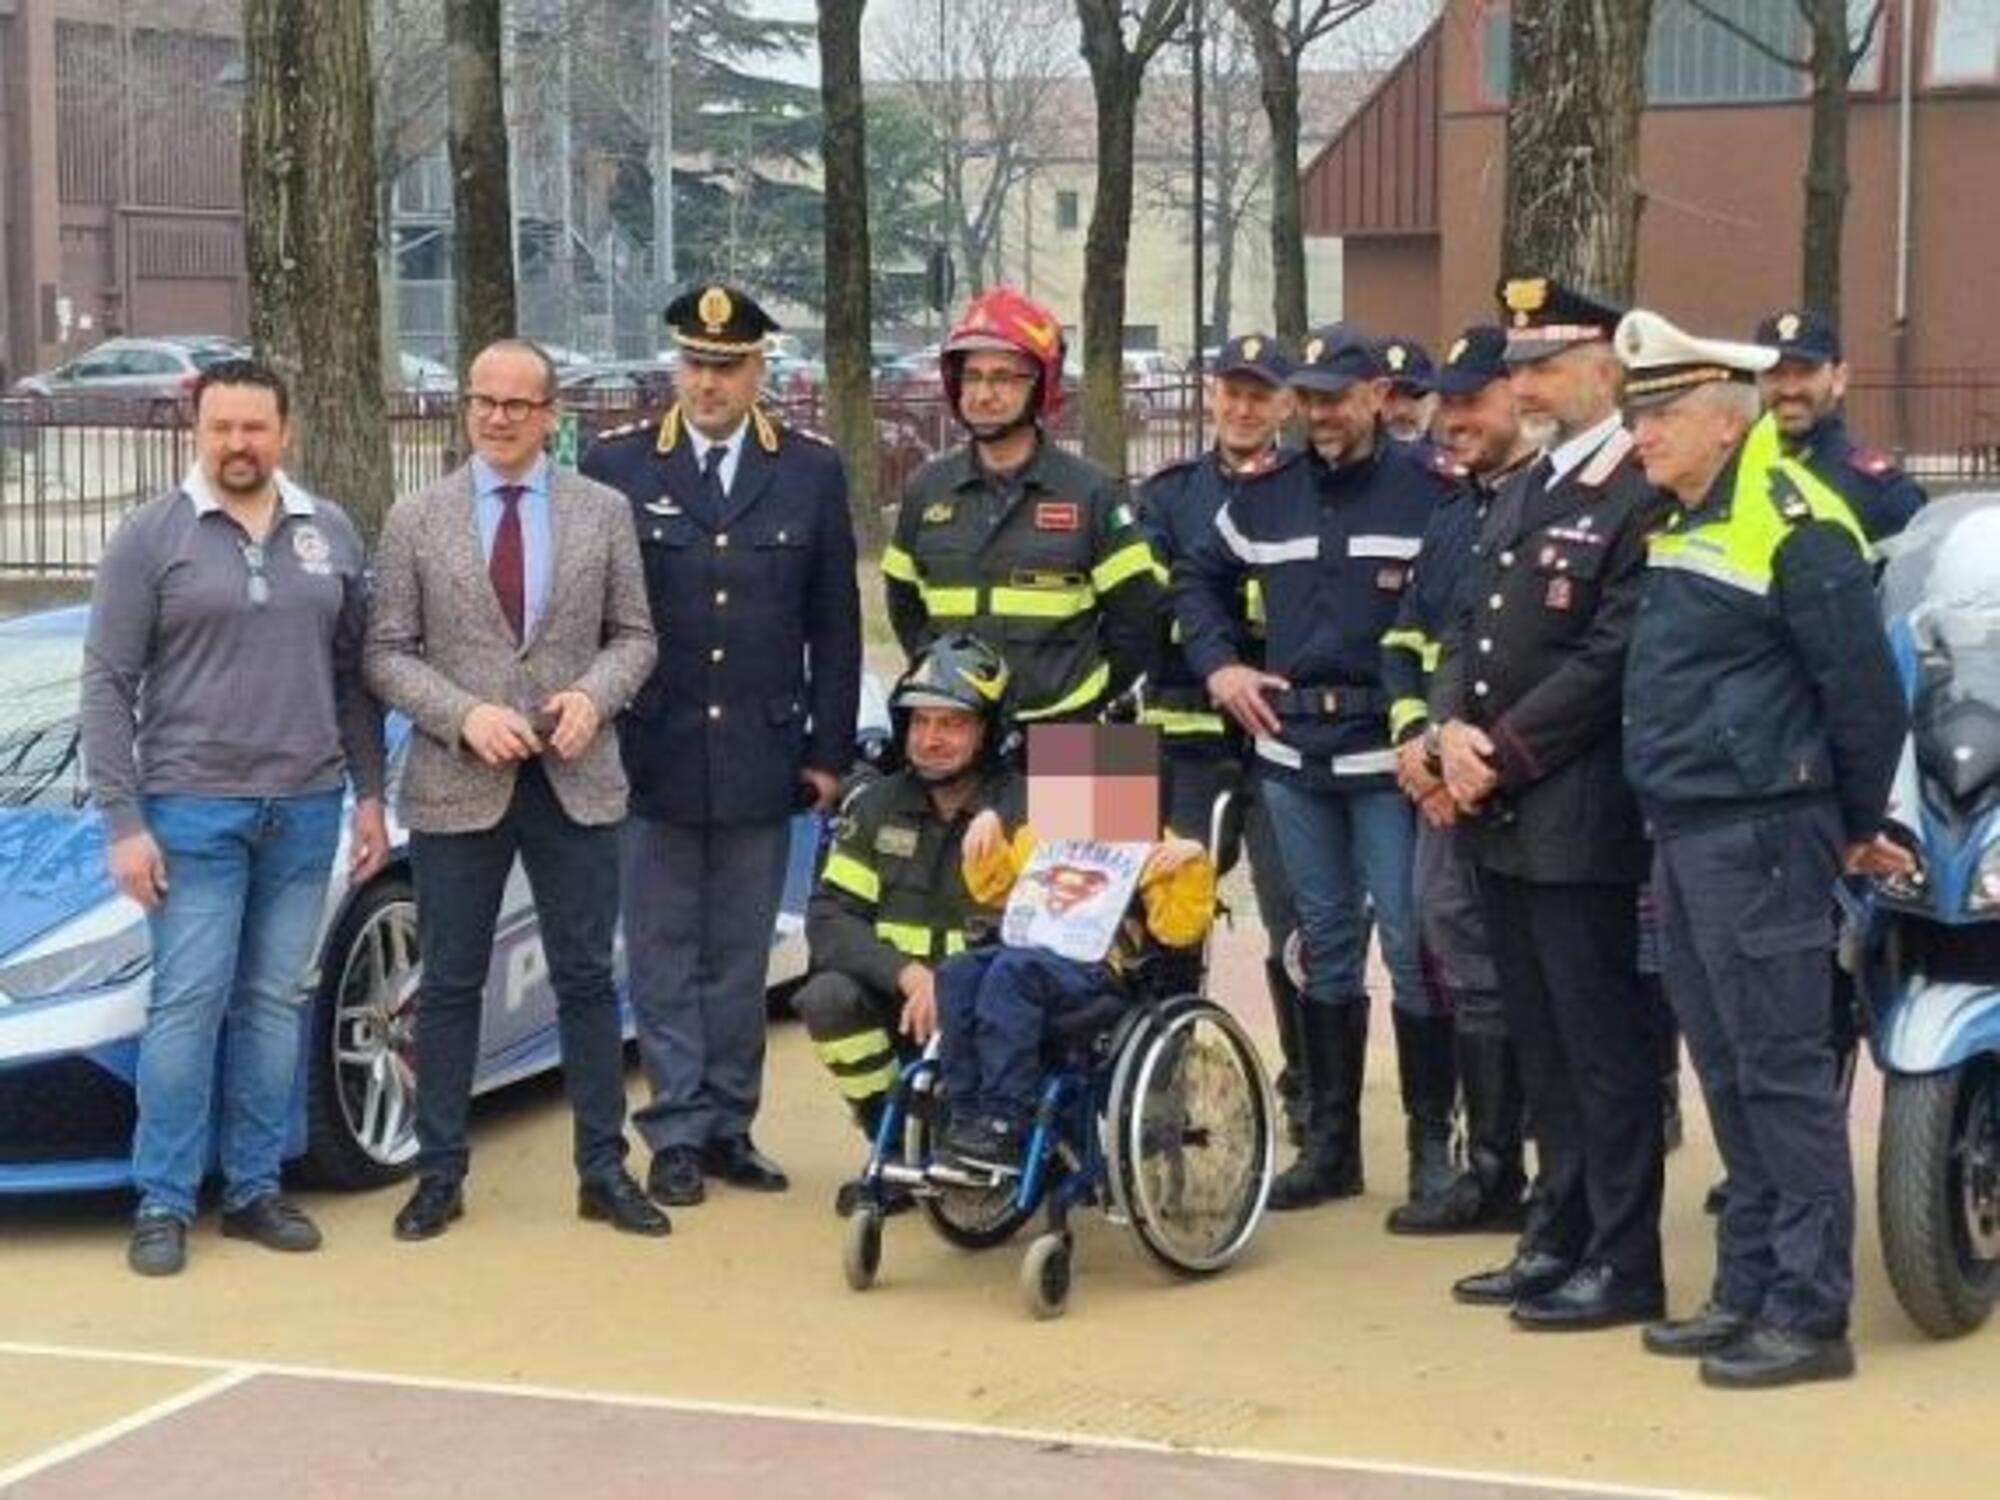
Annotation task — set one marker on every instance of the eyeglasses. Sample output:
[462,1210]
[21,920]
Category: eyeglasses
[513,408]
[260,585]
[994,380]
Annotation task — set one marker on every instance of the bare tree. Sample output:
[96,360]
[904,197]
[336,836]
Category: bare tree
[410,83]
[849,314]
[482,210]
[1835,44]
[1280,32]
[1120,39]
[309,234]
[1577,70]
[986,83]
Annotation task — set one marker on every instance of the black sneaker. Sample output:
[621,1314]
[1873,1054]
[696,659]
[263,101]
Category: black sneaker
[159,1245]
[274,1222]
[992,1144]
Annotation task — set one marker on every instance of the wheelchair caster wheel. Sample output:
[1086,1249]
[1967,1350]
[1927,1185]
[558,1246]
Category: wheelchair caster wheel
[1045,1276]
[864,1248]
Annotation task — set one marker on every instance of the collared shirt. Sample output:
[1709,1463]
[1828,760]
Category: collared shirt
[222,667]
[537,531]
[732,451]
[1566,456]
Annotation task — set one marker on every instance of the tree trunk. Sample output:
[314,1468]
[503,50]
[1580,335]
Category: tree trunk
[309,241]
[1573,200]
[482,214]
[1826,160]
[1223,307]
[844,149]
[1104,264]
[1288,227]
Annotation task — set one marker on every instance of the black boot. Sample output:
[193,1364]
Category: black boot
[1490,1193]
[1286,1007]
[1430,1094]
[1329,1164]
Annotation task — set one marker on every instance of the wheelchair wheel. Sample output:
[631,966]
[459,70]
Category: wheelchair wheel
[1190,1136]
[1045,1275]
[863,1258]
[970,1218]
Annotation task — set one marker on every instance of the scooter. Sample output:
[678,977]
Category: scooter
[1924,948]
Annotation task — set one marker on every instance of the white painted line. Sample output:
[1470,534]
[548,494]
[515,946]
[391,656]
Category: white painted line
[831,1417]
[230,1377]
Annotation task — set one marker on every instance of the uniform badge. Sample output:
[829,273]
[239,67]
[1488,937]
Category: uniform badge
[1788,327]
[664,506]
[1390,579]
[896,841]
[1457,352]
[1121,516]
[1058,515]
[1252,347]
[309,546]
[938,514]
[1548,557]
[1559,594]
[714,309]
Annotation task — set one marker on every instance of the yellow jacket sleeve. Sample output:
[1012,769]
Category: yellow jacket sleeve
[989,880]
[1181,904]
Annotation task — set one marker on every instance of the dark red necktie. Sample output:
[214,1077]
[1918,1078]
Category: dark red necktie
[506,565]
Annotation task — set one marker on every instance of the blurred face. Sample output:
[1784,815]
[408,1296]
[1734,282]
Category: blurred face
[509,409]
[1341,425]
[239,438]
[1683,445]
[1247,413]
[715,397]
[1408,414]
[944,742]
[1565,394]
[1801,393]
[994,388]
[1481,429]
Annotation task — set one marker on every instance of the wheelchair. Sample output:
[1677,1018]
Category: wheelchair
[1154,1107]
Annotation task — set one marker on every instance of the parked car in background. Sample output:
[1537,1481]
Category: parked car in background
[427,376]
[157,372]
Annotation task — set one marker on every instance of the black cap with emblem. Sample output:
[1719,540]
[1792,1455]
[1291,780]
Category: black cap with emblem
[1476,359]
[1334,358]
[1257,355]
[1544,317]
[1803,334]
[718,324]
[1407,364]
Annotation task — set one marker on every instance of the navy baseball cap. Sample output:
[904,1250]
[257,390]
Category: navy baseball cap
[1801,333]
[1257,355]
[1335,357]
[1476,359]
[1407,363]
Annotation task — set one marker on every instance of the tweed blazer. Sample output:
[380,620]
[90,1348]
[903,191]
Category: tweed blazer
[438,646]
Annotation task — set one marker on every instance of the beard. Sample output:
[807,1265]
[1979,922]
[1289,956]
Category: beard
[240,474]
[1539,430]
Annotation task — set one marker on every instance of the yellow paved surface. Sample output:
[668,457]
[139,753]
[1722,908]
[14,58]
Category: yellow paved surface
[1330,1338]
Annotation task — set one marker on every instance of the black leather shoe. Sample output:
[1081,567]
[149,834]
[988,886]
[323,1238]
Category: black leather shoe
[1710,1329]
[619,1201]
[159,1245]
[1528,1274]
[274,1222]
[1593,1297]
[675,1177]
[741,1164]
[430,1210]
[1766,1357]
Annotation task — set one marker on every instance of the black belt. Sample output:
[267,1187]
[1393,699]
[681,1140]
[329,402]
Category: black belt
[1337,702]
[1191,698]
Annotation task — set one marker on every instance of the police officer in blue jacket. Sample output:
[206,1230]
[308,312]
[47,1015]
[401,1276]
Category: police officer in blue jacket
[1412,403]
[747,719]
[1328,536]
[1804,391]
[1763,722]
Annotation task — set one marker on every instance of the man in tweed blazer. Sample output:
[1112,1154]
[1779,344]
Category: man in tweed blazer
[510,625]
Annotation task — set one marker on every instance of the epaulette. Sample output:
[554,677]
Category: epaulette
[1874,462]
[1605,461]
[1789,499]
[670,430]
[765,427]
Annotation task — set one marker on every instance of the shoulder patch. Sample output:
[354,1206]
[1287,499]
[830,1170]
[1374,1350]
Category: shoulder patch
[1874,462]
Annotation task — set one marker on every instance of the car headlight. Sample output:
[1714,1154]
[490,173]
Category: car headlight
[104,946]
[1985,892]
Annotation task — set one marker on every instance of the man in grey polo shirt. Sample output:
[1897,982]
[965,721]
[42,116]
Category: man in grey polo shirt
[222,710]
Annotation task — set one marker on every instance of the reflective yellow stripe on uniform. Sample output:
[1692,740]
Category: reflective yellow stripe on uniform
[1129,561]
[908,937]
[1172,721]
[899,565]
[863,1065]
[1041,604]
[949,604]
[1417,644]
[846,873]
[1404,712]
[1253,602]
[1079,697]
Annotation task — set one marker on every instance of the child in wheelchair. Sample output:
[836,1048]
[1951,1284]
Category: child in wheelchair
[1094,895]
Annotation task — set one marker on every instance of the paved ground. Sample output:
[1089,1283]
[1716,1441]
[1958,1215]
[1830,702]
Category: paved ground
[527,1351]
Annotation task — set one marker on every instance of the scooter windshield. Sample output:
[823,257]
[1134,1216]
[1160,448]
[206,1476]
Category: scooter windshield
[1943,579]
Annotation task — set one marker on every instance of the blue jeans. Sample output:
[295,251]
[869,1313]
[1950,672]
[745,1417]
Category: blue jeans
[1340,847]
[246,887]
[995,1005]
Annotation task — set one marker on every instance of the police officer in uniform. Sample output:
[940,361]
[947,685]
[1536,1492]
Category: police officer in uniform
[1479,427]
[1527,694]
[1763,724]
[1328,535]
[747,719]
[1411,404]
[892,904]
[1030,548]
[1201,754]
[1804,391]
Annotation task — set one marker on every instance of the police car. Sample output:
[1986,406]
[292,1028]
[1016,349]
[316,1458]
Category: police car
[75,964]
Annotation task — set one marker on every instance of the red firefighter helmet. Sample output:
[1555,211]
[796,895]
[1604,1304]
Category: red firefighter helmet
[1003,319]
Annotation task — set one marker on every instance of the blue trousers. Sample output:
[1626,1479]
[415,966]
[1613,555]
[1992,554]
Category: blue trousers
[994,1007]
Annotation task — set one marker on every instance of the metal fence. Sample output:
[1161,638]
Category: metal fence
[69,475]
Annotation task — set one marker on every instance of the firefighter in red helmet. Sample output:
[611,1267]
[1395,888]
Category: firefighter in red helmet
[1011,538]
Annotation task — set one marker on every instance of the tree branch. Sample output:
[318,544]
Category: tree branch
[1749,38]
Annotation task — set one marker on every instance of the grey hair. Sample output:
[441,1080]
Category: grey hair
[517,345]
